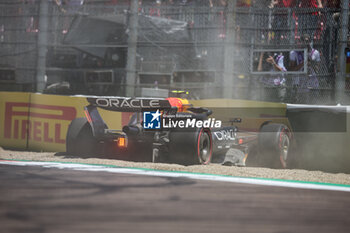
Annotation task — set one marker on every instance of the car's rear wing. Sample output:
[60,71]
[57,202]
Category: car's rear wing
[118,104]
[124,104]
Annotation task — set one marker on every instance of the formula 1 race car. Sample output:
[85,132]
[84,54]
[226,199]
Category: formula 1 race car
[200,143]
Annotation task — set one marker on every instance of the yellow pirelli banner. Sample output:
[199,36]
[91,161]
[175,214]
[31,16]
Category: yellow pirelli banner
[50,116]
[39,122]
[14,119]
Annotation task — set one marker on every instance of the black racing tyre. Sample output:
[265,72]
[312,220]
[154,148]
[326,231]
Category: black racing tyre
[204,147]
[81,143]
[190,146]
[274,146]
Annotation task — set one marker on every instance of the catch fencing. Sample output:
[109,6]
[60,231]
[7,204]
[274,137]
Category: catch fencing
[211,51]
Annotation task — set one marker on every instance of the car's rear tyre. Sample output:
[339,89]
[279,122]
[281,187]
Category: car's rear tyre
[81,143]
[274,146]
[204,147]
[190,146]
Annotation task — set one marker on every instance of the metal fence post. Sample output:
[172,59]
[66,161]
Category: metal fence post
[291,27]
[42,45]
[343,37]
[132,47]
[228,79]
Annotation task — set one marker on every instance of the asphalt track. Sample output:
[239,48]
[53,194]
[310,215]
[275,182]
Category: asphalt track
[37,199]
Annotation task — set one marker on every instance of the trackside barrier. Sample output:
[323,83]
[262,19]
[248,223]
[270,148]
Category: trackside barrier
[14,109]
[321,133]
[245,114]
[38,122]
[322,136]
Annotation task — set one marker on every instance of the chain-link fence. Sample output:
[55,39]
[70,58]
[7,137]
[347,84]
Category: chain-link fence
[256,53]
[18,36]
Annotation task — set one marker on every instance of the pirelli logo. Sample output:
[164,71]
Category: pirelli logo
[38,122]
